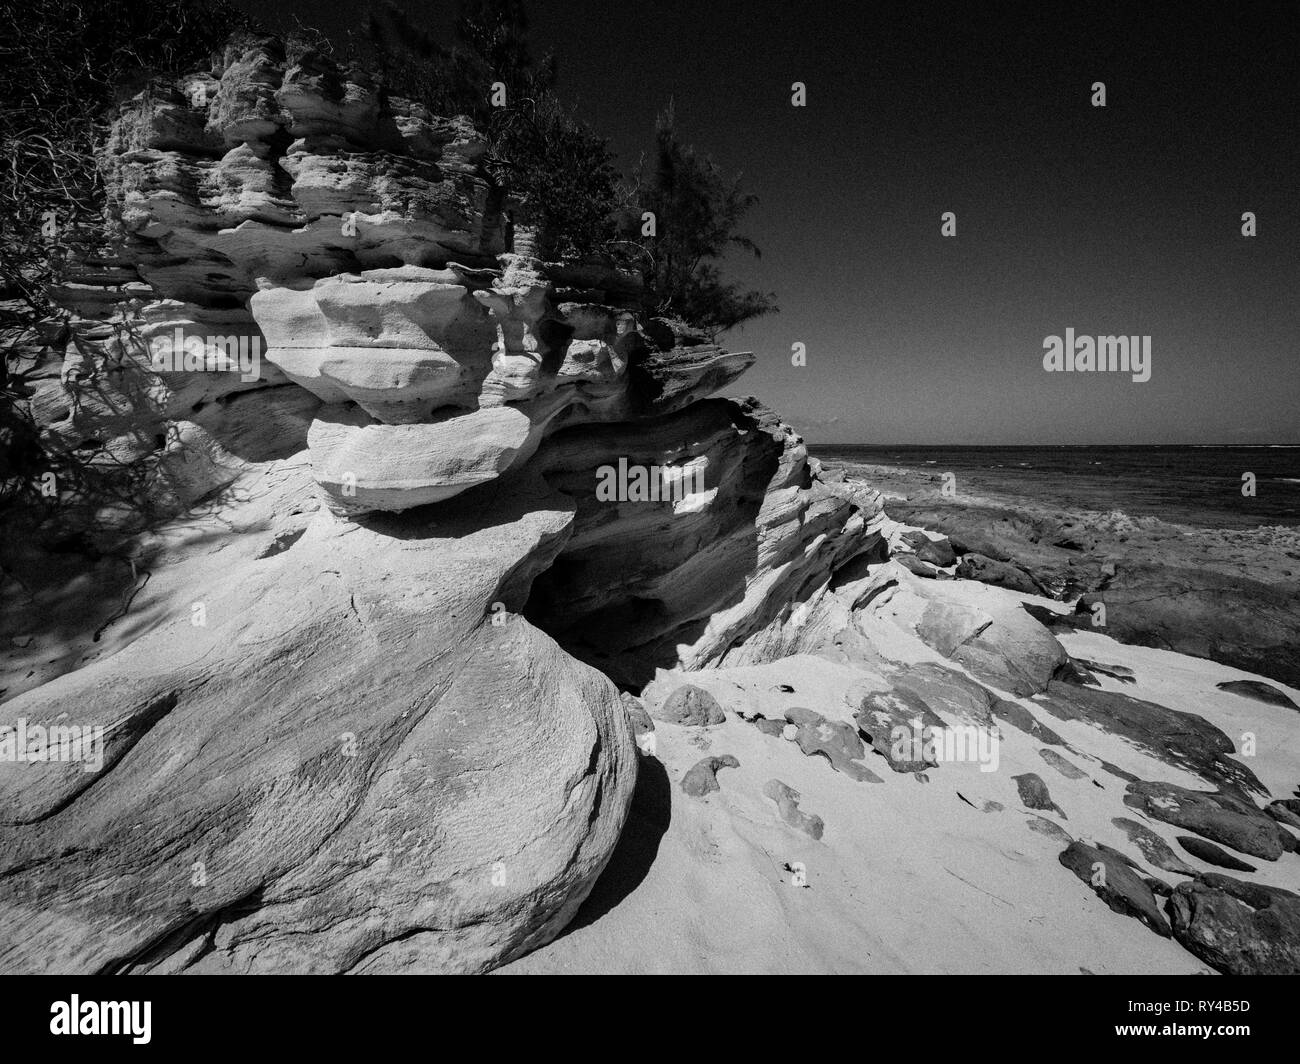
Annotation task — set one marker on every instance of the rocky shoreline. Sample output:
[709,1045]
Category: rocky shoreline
[1229,595]
[393,686]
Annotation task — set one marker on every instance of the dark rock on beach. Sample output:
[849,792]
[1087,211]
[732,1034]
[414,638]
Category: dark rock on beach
[882,712]
[1283,813]
[1116,882]
[1154,849]
[1182,739]
[834,740]
[999,574]
[692,706]
[1034,793]
[1260,692]
[1211,854]
[913,564]
[702,778]
[1238,928]
[935,551]
[1220,817]
[1233,619]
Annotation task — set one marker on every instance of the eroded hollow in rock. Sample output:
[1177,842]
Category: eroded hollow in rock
[639,578]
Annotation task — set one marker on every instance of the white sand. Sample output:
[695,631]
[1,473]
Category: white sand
[908,877]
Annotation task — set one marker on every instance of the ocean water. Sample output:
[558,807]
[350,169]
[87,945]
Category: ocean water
[1198,486]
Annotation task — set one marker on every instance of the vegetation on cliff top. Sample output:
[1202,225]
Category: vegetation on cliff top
[673,220]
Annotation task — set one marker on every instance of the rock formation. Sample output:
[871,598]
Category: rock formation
[339,737]
[359,675]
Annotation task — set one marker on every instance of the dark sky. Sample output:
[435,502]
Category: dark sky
[1124,219]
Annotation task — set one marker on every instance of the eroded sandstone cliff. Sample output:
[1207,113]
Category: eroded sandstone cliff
[352,723]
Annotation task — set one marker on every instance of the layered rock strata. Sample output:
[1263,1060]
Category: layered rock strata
[337,736]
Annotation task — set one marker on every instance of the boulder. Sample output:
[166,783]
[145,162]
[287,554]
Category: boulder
[1238,928]
[1214,815]
[937,552]
[997,573]
[1211,854]
[1283,814]
[1117,883]
[1260,692]
[947,625]
[1178,738]
[1034,793]
[832,739]
[1154,849]
[997,641]
[896,724]
[690,706]
[934,551]
[702,777]
[1230,618]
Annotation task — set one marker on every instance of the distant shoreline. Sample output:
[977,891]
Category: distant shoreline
[1197,487]
[1228,594]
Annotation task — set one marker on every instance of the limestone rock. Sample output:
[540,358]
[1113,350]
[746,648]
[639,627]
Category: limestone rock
[641,722]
